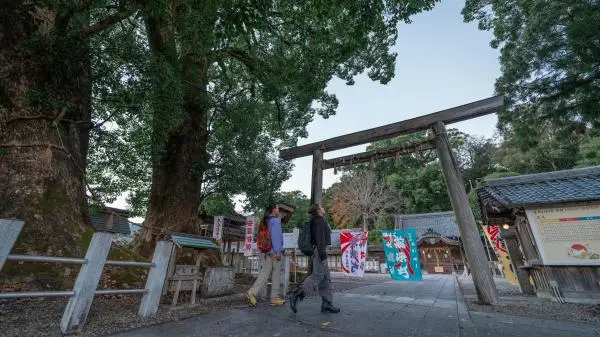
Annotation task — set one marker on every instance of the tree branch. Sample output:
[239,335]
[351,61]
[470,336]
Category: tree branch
[110,20]
[250,62]
[99,124]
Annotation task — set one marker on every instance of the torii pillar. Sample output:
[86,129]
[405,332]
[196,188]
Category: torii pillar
[482,278]
[316,189]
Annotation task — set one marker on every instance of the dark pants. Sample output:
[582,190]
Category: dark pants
[320,279]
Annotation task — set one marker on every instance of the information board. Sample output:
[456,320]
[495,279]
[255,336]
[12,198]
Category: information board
[567,235]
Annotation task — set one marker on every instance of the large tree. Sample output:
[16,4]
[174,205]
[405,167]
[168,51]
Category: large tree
[549,62]
[251,72]
[46,115]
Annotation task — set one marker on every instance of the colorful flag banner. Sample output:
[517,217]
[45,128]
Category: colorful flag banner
[493,235]
[354,252]
[402,255]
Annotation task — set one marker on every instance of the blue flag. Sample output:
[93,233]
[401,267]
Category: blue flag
[402,255]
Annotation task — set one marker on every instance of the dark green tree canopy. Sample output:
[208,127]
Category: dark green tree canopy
[267,68]
[550,52]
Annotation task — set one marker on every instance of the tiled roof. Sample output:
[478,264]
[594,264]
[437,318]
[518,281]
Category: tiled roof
[234,225]
[193,241]
[230,230]
[237,217]
[543,188]
[102,222]
[443,223]
[431,237]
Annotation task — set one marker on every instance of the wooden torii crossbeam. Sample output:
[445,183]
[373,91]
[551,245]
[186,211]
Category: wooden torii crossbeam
[364,157]
[453,115]
[482,276]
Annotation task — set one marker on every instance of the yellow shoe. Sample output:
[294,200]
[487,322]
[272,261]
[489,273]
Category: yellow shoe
[277,301]
[251,298]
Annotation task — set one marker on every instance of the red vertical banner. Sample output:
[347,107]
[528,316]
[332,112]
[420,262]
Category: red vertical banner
[249,235]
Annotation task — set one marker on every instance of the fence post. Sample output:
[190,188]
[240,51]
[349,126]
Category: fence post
[286,274]
[9,232]
[156,279]
[263,294]
[79,304]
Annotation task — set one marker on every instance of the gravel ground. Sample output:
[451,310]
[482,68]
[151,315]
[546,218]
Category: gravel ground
[40,317]
[512,302]
[109,314]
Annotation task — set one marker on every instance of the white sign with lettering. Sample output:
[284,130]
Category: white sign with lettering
[218,228]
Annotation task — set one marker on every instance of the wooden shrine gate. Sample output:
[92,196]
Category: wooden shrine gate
[482,278]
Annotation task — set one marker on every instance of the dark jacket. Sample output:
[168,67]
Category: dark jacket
[320,235]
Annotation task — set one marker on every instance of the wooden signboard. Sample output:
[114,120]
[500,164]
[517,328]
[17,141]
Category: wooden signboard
[567,235]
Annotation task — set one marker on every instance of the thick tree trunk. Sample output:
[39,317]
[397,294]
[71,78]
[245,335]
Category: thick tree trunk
[45,114]
[175,194]
[181,161]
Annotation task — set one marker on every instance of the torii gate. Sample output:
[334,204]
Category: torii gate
[482,277]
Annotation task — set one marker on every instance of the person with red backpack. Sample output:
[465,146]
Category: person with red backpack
[270,243]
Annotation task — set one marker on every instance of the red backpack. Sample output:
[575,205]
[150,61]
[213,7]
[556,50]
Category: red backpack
[263,241]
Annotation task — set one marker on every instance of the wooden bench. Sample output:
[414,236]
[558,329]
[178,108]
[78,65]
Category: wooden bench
[186,278]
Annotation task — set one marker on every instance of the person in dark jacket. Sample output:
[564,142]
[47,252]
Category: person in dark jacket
[320,233]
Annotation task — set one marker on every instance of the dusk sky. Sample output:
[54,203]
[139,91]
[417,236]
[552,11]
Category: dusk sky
[442,62]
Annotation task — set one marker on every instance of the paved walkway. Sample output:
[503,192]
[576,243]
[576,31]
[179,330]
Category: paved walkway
[433,307]
[427,308]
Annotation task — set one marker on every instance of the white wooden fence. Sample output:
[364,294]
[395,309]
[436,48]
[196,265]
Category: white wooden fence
[82,295]
[242,264]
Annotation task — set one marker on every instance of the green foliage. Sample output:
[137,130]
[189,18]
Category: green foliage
[552,152]
[422,189]
[498,175]
[549,59]
[120,150]
[480,158]
[375,236]
[270,66]
[302,204]
[417,177]
[267,67]
[216,204]
[589,152]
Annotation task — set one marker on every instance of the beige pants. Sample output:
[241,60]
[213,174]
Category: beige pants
[272,268]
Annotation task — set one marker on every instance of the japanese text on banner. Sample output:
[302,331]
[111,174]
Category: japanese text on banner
[218,228]
[249,235]
[401,254]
